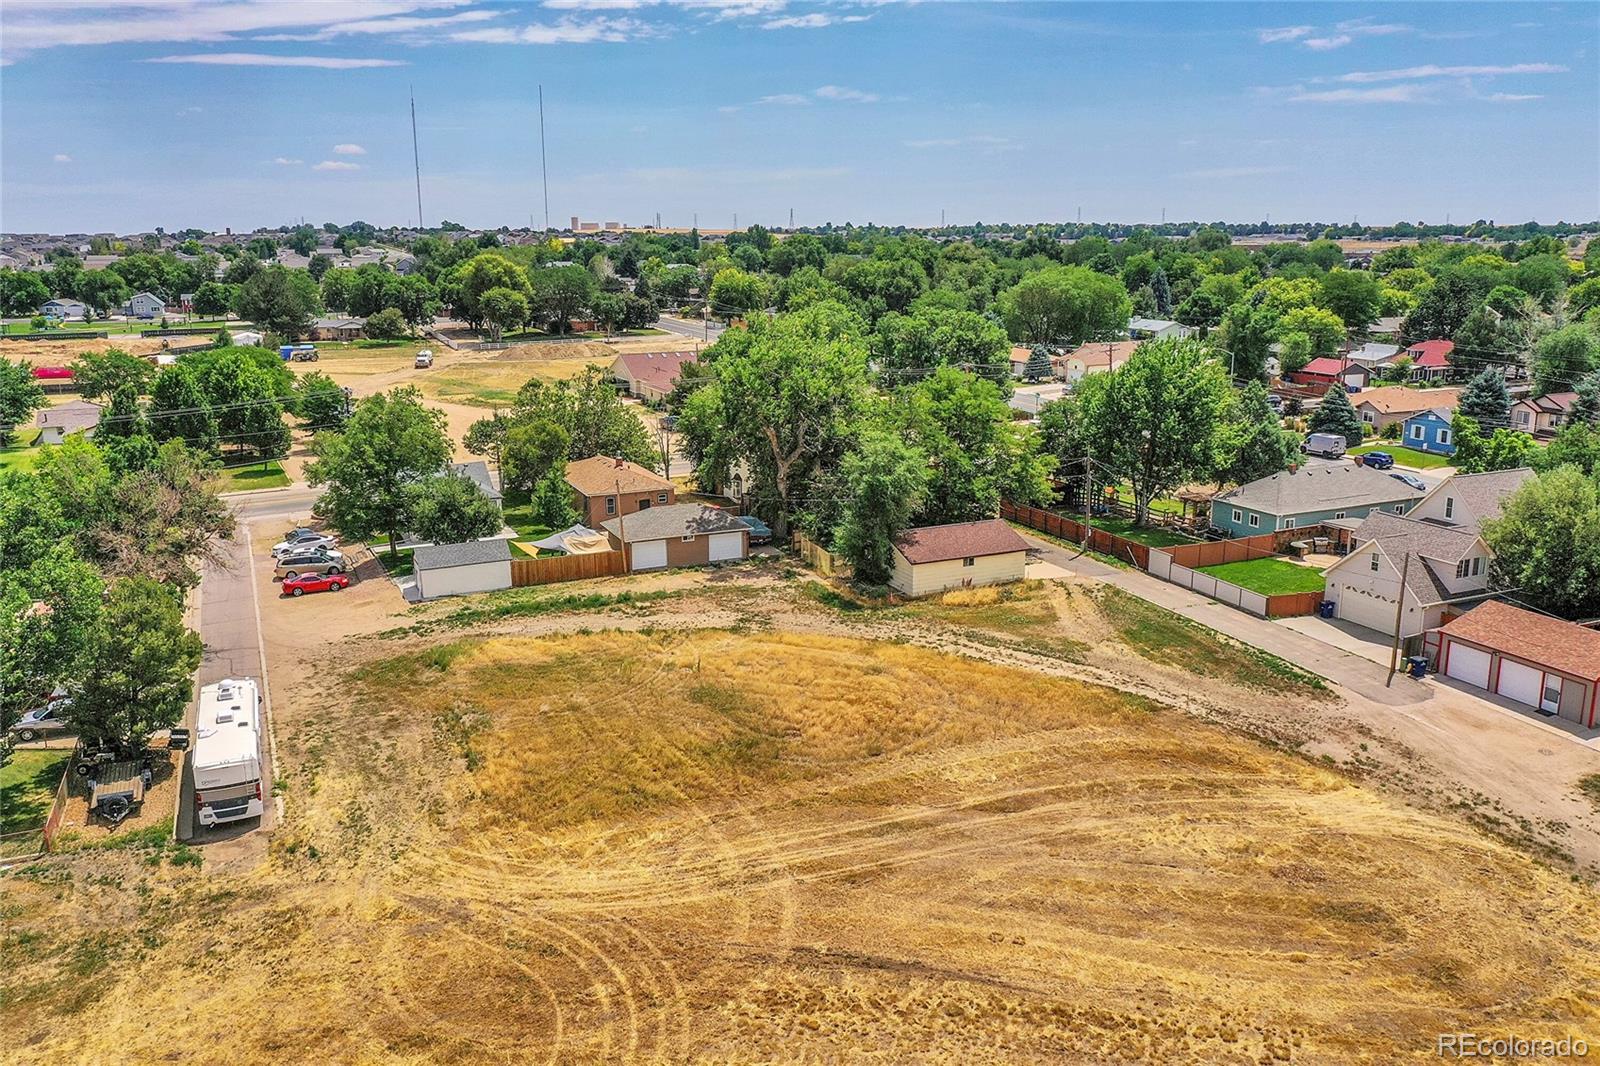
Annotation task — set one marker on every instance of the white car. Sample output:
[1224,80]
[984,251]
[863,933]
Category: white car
[305,542]
[424,359]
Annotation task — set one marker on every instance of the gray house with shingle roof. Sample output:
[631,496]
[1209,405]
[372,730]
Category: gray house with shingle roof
[1444,568]
[1308,496]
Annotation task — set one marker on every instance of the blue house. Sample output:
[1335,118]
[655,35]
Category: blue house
[1309,496]
[1429,431]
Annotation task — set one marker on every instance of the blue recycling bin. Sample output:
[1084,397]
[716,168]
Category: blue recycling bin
[1417,666]
[1325,609]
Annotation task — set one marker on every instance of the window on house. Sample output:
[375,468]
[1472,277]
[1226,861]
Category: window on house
[1444,436]
[1255,521]
[1416,432]
[1338,514]
[1477,565]
[687,537]
[644,503]
[1288,523]
[611,505]
[1374,562]
[1449,506]
[1463,568]
[969,561]
[1238,515]
[1399,508]
[661,497]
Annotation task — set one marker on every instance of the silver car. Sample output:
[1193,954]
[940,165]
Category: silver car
[42,722]
[306,541]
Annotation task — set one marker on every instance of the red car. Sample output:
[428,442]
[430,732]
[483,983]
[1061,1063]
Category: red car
[299,586]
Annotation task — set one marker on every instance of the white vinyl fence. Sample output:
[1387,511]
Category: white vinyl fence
[1162,566]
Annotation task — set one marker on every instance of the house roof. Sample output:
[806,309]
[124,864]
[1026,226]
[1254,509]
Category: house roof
[478,471]
[1103,355]
[1386,324]
[1552,402]
[1319,487]
[959,540]
[1441,413]
[600,475]
[1399,400]
[1328,366]
[69,417]
[1484,495]
[1151,325]
[444,556]
[659,370]
[1399,536]
[1431,353]
[673,520]
[152,296]
[1374,352]
[1570,648]
[63,303]
[339,323]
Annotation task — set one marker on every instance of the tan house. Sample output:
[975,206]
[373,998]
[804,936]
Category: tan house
[1094,357]
[1445,570]
[604,487]
[1542,416]
[74,416]
[680,534]
[649,375]
[1393,404]
[931,559]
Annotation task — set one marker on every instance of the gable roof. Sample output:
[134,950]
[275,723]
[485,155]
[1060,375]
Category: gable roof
[1439,413]
[1103,355]
[1431,353]
[659,370]
[1375,352]
[1399,400]
[1483,495]
[1426,542]
[1329,366]
[444,556]
[600,475]
[1151,325]
[1555,403]
[152,296]
[478,471]
[673,520]
[958,540]
[1570,648]
[1319,487]
[69,417]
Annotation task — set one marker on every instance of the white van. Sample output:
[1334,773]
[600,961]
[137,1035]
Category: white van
[227,752]
[1327,445]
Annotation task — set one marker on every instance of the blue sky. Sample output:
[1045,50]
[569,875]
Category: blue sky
[257,112]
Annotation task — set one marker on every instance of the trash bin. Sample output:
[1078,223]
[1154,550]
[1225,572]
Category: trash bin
[1417,665]
[1325,609]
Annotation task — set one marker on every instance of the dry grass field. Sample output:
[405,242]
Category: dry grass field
[764,844]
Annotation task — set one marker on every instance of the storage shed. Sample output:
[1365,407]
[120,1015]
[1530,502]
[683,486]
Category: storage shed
[932,559]
[1533,659]
[457,569]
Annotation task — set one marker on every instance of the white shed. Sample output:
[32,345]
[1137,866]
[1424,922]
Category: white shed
[932,559]
[247,338]
[457,569]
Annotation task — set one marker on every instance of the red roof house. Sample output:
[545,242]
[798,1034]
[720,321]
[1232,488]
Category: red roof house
[650,375]
[1430,359]
[1327,370]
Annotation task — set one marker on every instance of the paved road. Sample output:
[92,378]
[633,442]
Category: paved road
[688,327]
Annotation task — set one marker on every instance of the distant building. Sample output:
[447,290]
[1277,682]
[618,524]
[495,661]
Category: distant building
[1396,403]
[1094,357]
[64,310]
[75,416]
[1430,360]
[1327,370]
[1429,431]
[145,305]
[604,488]
[337,329]
[649,375]
[1156,328]
[1308,496]
[1543,416]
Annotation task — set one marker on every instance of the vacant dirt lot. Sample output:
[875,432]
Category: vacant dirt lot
[720,821]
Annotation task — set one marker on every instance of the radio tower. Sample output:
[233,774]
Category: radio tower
[543,170]
[416,157]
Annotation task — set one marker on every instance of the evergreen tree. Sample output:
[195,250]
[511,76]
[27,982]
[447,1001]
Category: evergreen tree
[1486,400]
[179,411]
[1338,415]
[1586,408]
[1038,367]
[551,501]
[1161,288]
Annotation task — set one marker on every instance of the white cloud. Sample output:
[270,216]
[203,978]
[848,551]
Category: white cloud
[61,157]
[563,31]
[1390,94]
[839,92]
[1342,33]
[1434,71]
[1283,33]
[336,164]
[785,99]
[814,21]
[254,59]
[1324,44]
[283,162]
[1508,98]
[349,149]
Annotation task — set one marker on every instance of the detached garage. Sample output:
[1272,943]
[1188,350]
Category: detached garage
[1532,659]
[457,569]
[679,534]
[931,559]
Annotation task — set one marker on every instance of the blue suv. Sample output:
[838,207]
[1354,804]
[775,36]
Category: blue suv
[1378,460]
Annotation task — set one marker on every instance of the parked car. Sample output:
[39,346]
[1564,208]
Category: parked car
[306,543]
[760,533]
[329,582]
[1410,479]
[1327,445]
[424,359]
[1378,460]
[293,566]
[42,722]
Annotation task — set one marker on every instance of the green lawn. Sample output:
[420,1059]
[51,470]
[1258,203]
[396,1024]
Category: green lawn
[520,518]
[1404,456]
[1270,577]
[115,328]
[28,787]
[1152,536]
[21,454]
[268,475]
[404,568]
[1163,505]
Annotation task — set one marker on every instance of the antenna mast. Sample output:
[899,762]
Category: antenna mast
[416,157]
[543,169]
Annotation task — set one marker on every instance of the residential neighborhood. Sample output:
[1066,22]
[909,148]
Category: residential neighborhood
[902,573]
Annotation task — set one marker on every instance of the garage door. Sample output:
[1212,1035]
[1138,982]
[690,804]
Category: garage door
[726,546]
[1364,610]
[1467,664]
[1519,682]
[648,554]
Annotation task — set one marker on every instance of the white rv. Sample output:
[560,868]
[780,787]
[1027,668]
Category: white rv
[227,752]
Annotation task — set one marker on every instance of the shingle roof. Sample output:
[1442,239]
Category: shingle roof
[1431,353]
[659,370]
[1331,367]
[70,417]
[1484,495]
[673,520]
[1446,545]
[1554,402]
[599,475]
[1319,487]
[444,556]
[1397,399]
[1107,355]
[1572,649]
[959,540]
[478,471]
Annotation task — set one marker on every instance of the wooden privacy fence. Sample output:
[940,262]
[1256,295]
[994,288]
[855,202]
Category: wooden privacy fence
[821,559]
[1069,529]
[1239,549]
[565,568]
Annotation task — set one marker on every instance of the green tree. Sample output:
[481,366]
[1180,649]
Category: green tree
[1155,419]
[158,520]
[179,409]
[735,293]
[98,374]
[1563,356]
[551,500]
[103,290]
[1338,415]
[450,509]
[502,309]
[589,411]
[1477,452]
[40,649]
[22,292]
[1585,408]
[279,300]
[887,482]
[391,442]
[1065,305]
[124,417]
[487,436]
[1352,295]
[138,672]
[389,324]
[1326,329]
[213,299]
[1486,400]
[1038,367]
[20,396]
[320,401]
[1251,442]
[561,294]
[531,450]
[1546,542]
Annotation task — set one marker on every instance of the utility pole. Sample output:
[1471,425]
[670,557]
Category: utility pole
[416,157]
[1400,606]
[736,220]
[622,528]
[791,220]
[544,170]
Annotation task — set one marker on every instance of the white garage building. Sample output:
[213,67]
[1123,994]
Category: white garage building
[457,569]
[931,559]
[1533,659]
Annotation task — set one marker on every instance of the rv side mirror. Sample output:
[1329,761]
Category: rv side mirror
[178,740]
